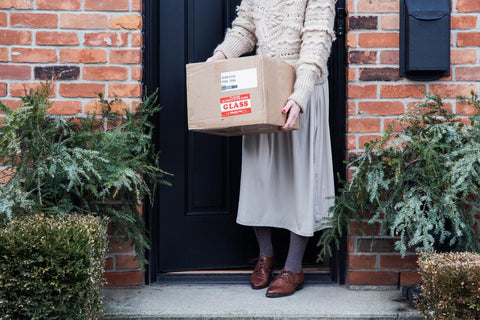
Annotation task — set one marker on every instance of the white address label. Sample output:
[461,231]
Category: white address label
[237,80]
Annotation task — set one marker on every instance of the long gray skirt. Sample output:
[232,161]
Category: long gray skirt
[287,177]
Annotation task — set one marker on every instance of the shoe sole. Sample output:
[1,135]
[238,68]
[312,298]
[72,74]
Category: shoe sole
[273,295]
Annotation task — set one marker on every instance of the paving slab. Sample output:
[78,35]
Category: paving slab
[241,302]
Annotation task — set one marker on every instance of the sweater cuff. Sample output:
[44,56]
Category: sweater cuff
[232,47]
[303,88]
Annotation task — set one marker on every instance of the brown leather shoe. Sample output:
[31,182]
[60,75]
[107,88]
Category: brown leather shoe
[260,277]
[285,284]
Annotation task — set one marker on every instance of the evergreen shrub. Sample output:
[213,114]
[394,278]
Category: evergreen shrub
[51,267]
[420,183]
[450,286]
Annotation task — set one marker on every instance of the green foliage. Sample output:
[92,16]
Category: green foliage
[422,183]
[100,164]
[450,286]
[51,267]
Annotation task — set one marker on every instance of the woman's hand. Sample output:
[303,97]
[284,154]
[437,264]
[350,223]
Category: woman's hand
[293,110]
[217,56]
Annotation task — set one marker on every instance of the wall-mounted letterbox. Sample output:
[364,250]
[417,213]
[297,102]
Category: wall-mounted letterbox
[424,39]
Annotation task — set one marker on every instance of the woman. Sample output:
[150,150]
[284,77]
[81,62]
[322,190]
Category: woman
[287,177]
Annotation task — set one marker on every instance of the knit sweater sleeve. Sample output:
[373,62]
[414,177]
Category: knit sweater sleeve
[317,38]
[241,37]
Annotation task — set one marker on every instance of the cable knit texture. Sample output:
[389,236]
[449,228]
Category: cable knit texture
[298,32]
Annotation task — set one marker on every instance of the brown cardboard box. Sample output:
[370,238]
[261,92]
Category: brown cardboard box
[238,96]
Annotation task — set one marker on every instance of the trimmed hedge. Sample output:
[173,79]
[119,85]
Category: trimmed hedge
[52,267]
[451,286]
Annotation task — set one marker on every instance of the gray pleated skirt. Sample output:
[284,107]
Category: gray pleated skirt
[287,177]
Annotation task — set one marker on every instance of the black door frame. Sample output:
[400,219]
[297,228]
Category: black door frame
[151,76]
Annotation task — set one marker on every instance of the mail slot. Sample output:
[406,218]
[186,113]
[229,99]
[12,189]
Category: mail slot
[425,39]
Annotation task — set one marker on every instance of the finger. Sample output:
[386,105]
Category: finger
[287,107]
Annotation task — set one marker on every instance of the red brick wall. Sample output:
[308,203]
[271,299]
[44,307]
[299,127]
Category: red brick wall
[91,46]
[377,95]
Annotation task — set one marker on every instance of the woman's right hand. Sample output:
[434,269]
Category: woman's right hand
[217,56]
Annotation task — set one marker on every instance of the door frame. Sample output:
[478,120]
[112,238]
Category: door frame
[151,80]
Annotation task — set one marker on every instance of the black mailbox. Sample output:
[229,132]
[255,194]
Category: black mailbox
[425,39]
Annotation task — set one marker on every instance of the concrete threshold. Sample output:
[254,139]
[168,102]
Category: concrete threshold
[211,302]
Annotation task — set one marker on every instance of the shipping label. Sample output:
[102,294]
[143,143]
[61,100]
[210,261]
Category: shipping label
[235,105]
[237,80]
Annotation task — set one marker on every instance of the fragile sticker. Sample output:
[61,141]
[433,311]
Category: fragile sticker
[235,105]
[240,79]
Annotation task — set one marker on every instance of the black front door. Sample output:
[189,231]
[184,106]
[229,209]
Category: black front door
[192,223]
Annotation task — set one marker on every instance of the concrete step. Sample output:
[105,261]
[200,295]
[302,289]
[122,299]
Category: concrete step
[163,301]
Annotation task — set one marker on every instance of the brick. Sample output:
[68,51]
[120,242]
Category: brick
[136,5]
[379,40]
[137,73]
[468,5]
[3,19]
[83,55]
[137,39]
[468,74]
[378,6]
[83,21]
[125,90]
[363,125]
[84,90]
[15,37]
[124,279]
[57,73]
[452,90]
[34,55]
[464,22]
[3,89]
[360,228]
[362,140]
[18,89]
[59,5]
[126,56]
[379,74]
[65,108]
[408,278]
[351,142]
[464,56]
[351,108]
[390,57]
[397,262]
[3,54]
[351,40]
[115,39]
[350,6]
[394,123]
[127,262]
[391,22]
[109,264]
[105,73]
[351,74]
[362,57]
[17,4]
[361,262]
[403,91]
[121,246]
[54,38]
[380,108]
[12,103]
[17,72]
[36,20]
[129,22]
[106,5]
[376,245]
[362,23]
[373,278]
[465,109]
[362,92]
[95,107]
[468,39]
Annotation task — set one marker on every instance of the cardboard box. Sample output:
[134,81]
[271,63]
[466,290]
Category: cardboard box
[238,96]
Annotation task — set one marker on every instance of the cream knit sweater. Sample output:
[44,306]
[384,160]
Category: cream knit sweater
[299,32]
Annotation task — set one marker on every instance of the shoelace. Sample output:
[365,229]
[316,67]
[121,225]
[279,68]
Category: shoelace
[284,275]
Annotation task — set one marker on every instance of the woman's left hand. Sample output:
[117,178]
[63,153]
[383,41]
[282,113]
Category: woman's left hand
[293,110]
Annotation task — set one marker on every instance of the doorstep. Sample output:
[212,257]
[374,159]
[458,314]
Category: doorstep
[233,301]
